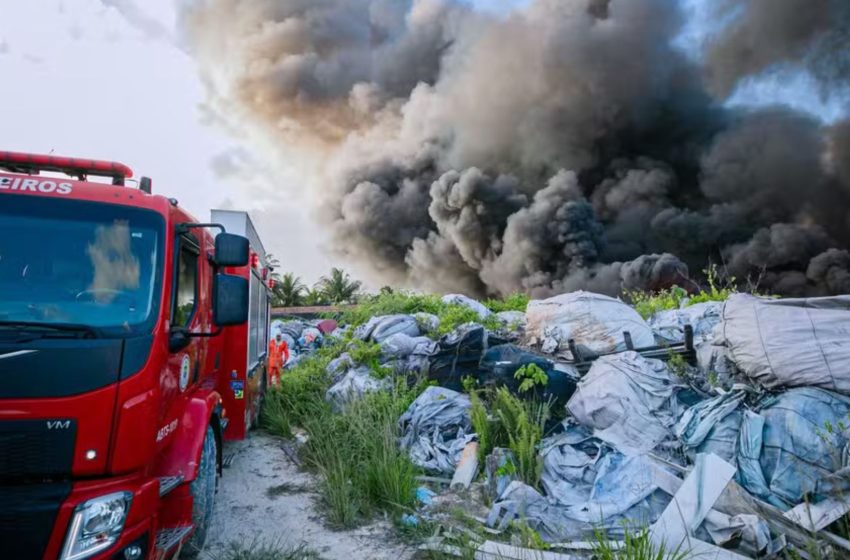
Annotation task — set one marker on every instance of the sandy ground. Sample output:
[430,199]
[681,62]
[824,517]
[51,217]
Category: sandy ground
[246,509]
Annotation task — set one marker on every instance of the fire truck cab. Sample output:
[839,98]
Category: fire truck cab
[132,342]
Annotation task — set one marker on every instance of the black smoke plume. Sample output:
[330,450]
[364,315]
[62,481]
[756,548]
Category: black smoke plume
[567,145]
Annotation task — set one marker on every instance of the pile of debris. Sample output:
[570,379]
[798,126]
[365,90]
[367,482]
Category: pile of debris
[722,428]
[303,337]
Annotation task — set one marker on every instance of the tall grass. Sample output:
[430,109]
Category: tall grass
[511,422]
[355,453]
[636,545]
[259,550]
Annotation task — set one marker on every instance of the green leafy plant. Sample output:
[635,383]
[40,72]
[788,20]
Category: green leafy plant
[677,364]
[506,469]
[520,425]
[531,376]
[469,383]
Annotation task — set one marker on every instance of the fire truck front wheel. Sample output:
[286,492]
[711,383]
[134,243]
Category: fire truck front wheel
[203,496]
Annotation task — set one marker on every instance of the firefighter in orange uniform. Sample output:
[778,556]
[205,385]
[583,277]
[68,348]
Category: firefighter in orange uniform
[278,356]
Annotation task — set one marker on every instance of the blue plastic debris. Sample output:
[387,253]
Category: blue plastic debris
[424,495]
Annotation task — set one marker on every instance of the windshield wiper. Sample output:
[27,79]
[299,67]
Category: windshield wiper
[34,329]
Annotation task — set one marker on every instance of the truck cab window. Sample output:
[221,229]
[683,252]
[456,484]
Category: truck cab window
[187,284]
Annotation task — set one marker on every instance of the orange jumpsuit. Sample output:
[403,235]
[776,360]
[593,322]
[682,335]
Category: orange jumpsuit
[278,356]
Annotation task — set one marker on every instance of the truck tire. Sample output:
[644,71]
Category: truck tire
[203,496]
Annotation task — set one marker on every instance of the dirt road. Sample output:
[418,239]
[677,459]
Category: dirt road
[264,495]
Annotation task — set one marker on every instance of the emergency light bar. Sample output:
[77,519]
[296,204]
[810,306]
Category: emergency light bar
[80,168]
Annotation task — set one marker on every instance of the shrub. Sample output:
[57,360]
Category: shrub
[515,302]
[718,289]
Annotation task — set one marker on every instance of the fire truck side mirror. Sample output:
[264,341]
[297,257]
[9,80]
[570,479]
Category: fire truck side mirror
[231,250]
[230,299]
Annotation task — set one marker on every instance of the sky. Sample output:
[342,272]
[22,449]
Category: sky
[107,79]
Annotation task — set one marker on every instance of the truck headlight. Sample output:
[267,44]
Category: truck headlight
[96,525]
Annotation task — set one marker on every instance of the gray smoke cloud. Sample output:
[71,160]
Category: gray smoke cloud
[567,145]
[811,33]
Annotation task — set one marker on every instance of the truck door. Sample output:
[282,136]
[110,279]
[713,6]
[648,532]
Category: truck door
[184,363]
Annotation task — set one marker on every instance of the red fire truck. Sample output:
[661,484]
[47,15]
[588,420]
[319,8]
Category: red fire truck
[132,343]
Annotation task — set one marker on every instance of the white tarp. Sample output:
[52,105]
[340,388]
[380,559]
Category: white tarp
[790,342]
[594,321]
[382,327]
[477,306]
[435,429]
[512,319]
[628,400]
[669,325]
[356,383]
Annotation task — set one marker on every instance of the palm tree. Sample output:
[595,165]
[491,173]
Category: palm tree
[339,287]
[272,261]
[315,296]
[288,291]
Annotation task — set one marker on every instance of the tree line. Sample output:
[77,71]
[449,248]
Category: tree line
[334,289]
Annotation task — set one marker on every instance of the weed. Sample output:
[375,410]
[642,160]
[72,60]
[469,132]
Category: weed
[482,425]
[528,537]
[514,423]
[452,316]
[258,550]
[356,453]
[520,429]
[677,364]
[365,353]
[636,545]
[515,302]
[719,288]
[389,304]
[531,376]
[469,383]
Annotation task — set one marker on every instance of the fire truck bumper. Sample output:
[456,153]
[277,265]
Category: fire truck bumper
[40,521]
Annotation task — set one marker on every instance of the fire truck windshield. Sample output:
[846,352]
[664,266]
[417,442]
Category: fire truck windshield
[71,262]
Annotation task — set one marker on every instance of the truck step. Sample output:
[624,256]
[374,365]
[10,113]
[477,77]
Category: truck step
[167,539]
[227,460]
[169,483]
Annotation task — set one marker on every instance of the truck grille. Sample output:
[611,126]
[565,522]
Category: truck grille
[27,515]
[36,449]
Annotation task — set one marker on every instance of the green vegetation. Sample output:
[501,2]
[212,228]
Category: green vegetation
[636,546]
[531,376]
[356,454]
[511,422]
[528,537]
[257,550]
[717,289]
[451,316]
[514,302]
[288,291]
[338,287]
[678,365]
